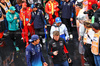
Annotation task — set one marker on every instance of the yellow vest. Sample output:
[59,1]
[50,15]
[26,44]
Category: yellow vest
[86,36]
[4,7]
[2,18]
[95,44]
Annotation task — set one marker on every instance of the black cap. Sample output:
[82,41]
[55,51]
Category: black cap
[94,6]
[39,6]
[79,4]
[96,26]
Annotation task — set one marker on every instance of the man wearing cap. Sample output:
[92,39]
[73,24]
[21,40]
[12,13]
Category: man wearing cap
[13,27]
[59,26]
[25,17]
[39,22]
[95,48]
[33,53]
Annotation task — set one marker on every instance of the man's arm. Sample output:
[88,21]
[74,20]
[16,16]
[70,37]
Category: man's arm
[32,18]
[51,31]
[66,32]
[42,58]
[28,57]
[46,9]
[50,49]
[57,9]
[42,15]
[9,19]
[72,7]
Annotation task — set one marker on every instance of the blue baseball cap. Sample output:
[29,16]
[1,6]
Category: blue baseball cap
[33,38]
[33,6]
[12,8]
[58,20]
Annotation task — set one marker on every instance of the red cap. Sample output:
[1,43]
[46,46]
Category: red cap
[24,4]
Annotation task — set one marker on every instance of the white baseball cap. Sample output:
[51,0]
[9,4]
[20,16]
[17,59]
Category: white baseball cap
[79,0]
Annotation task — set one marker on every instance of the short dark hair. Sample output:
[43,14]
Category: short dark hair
[19,1]
[56,33]
[33,41]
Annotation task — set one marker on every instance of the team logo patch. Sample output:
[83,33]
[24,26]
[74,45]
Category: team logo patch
[27,19]
[61,43]
[54,45]
[33,51]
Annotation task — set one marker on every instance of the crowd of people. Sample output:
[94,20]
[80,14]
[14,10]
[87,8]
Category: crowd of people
[32,17]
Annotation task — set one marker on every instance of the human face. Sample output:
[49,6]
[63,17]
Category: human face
[56,38]
[58,24]
[37,41]
[52,0]
[66,0]
[24,7]
[12,11]
[35,9]
[2,1]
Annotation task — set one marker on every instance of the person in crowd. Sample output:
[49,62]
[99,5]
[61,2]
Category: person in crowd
[4,8]
[81,29]
[67,14]
[13,2]
[56,49]
[8,3]
[80,19]
[96,15]
[33,53]
[87,39]
[52,9]
[2,28]
[90,3]
[91,12]
[18,7]
[13,27]
[39,22]
[25,17]
[95,48]
[59,26]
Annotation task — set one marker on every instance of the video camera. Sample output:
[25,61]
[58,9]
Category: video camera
[90,13]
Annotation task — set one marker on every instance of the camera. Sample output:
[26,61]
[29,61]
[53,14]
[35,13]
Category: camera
[90,13]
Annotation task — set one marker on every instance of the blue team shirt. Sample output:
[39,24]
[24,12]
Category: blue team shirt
[34,55]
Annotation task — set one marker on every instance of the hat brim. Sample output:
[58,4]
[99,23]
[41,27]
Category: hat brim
[58,22]
[30,40]
[13,9]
